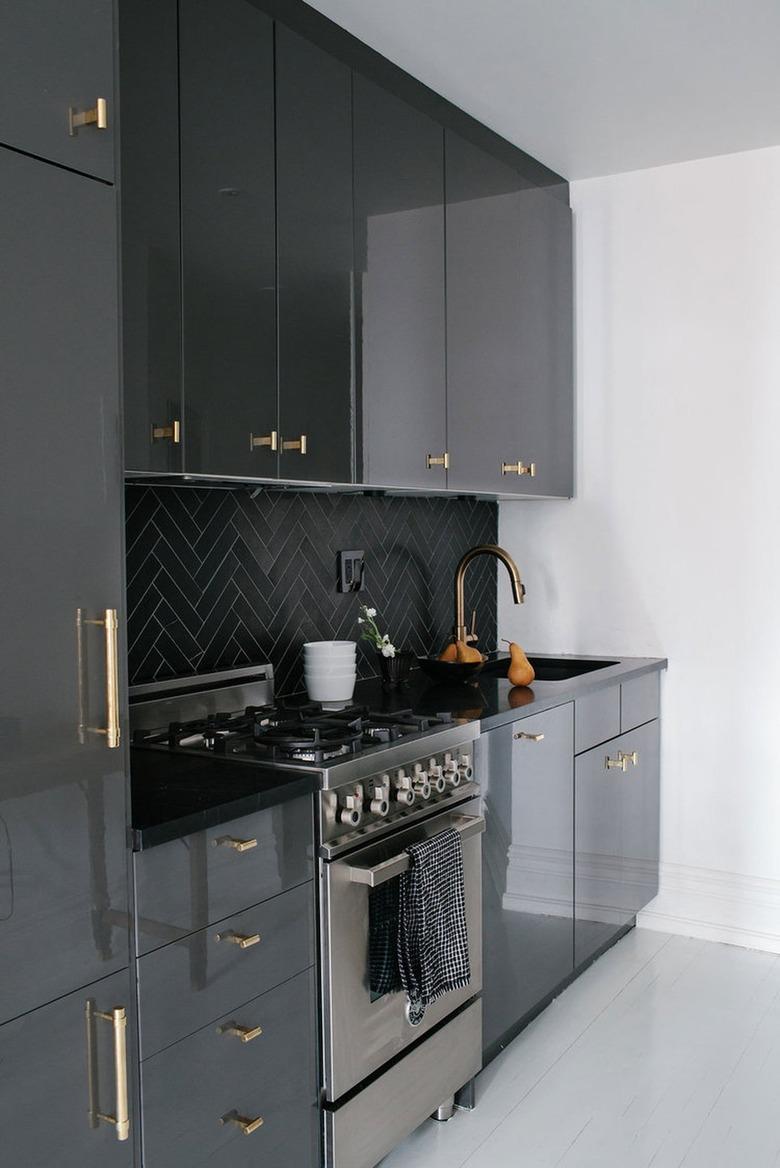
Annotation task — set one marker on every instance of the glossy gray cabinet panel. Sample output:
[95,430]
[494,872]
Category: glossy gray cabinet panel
[186,984]
[399,262]
[189,1087]
[640,700]
[228,236]
[191,882]
[509,329]
[55,55]
[528,870]
[314,239]
[63,888]
[616,836]
[596,718]
[151,278]
[44,1084]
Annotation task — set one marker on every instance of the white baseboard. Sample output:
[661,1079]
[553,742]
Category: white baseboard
[716,906]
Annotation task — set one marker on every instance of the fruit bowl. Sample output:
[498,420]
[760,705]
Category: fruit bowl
[448,672]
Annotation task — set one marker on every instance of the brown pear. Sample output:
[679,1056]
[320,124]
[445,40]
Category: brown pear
[450,653]
[466,653]
[520,671]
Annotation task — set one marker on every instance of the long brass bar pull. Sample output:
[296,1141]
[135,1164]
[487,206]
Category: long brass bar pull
[97,117]
[300,444]
[237,845]
[245,1033]
[169,433]
[248,1126]
[110,624]
[518,468]
[117,1017]
[243,940]
[270,440]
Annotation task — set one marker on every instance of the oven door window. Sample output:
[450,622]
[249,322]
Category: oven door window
[383,975]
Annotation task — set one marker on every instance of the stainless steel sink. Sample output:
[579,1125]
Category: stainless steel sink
[547,668]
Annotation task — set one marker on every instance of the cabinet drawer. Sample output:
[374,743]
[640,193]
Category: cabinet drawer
[191,882]
[596,718]
[189,983]
[189,1087]
[640,701]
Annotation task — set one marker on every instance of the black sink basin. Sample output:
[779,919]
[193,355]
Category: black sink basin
[546,668]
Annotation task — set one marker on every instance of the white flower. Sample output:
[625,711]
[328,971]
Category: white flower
[361,621]
[370,611]
[388,650]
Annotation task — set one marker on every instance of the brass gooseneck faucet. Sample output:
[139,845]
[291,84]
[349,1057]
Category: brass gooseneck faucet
[485,549]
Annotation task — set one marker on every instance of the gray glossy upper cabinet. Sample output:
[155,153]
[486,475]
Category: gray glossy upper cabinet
[63,888]
[314,240]
[58,1071]
[151,281]
[228,237]
[509,329]
[399,276]
[56,61]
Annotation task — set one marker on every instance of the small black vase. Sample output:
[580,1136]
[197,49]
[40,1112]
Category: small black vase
[394,671]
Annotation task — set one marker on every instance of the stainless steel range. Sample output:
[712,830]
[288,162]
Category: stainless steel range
[387,780]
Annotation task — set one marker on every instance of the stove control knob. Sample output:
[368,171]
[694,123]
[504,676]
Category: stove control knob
[451,772]
[465,768]
[436,777]
[420,782]
[358,793]
[404,792]
[380,797]
[352,811]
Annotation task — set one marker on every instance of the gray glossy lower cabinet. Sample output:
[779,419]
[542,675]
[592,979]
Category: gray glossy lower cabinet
[212,1076]
[45,1115]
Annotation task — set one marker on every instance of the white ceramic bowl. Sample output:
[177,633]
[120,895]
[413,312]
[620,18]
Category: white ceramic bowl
[318,672]
[329,648]
[338,689]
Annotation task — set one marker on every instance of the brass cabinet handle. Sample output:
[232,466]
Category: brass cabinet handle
[118,1019]
[630,757]
[518,468]
[616,764]
[270,440]
[97,117]
[299,444]
[243,940]
[432,460]
[245,1033]
[169,433]
[238,845]
[110,623]
[530,737]
[247,1125]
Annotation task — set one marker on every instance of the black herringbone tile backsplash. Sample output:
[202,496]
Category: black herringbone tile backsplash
[218,578]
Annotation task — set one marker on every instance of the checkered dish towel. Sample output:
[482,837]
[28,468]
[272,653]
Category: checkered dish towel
[433,946]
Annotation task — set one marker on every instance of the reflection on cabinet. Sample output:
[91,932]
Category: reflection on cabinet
[616,835]
[56,61]
[314,234]
[228,246]
[528,889]
[63,888]
[57,1072]
[509,329]
[399,273]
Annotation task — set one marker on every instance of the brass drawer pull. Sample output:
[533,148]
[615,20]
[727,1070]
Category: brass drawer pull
[97,117]
[247,1125]
[169,433]
[630,756]
[245,1033]
[518,468]
[243,940]
[617,764]
[118,1019]
[530,737]
[110,623]
[238,845]
[299,444]
[432,460]
[270,440]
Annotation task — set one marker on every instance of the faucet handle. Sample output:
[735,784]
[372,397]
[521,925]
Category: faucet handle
[472,634]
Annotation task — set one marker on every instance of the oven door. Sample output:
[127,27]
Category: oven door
[364,1025]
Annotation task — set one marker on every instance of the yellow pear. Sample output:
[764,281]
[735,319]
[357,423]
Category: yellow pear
[520,671]
[467,652]
[450,653]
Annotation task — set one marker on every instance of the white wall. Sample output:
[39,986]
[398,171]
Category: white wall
[672,546]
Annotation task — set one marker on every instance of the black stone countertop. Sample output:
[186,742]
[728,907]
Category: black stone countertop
[176,794]
[492,699]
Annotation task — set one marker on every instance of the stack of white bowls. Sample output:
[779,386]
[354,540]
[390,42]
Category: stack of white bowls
[330,669]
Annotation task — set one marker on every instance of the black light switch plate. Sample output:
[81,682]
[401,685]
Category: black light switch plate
[351,570]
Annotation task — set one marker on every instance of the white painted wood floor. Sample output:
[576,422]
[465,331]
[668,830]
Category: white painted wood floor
[666,1053]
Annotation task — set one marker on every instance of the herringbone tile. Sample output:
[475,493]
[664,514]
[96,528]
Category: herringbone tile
[219,578]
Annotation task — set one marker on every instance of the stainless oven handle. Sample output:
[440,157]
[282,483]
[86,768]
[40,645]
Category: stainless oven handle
[465,825]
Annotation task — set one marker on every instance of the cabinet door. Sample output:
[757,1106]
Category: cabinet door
[528,874]
[151,278]
[314,234]
[399,262]
[56,55]
[63,894]
[228,237]
[640,807]
[509,327]
[57,1071]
